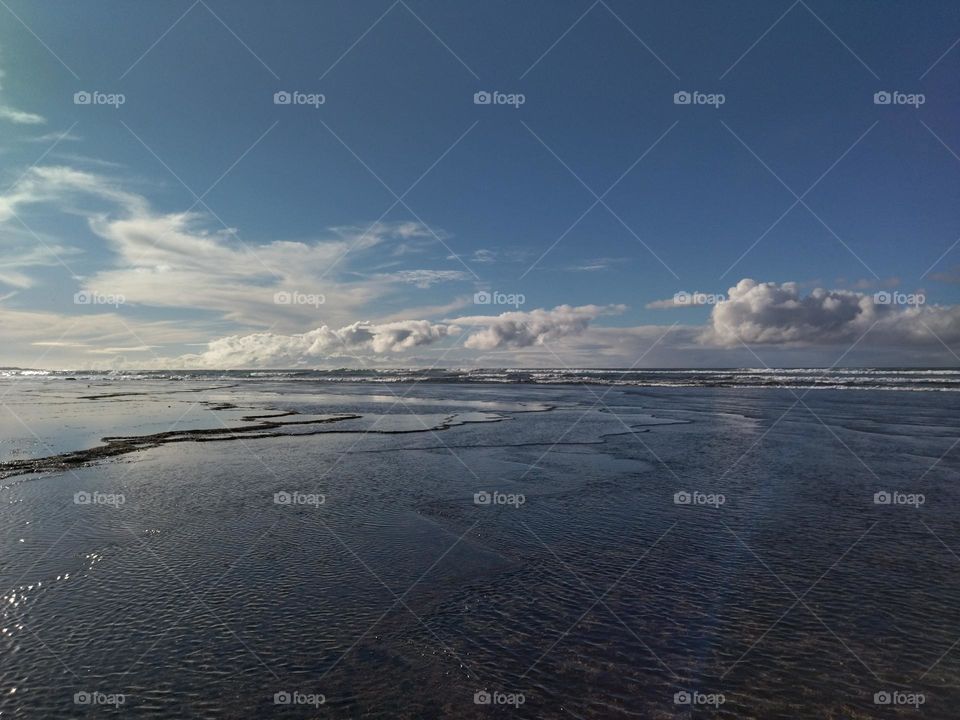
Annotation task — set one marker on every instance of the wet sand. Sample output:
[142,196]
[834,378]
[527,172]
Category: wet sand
[379,581]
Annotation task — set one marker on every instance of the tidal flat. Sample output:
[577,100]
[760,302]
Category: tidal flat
[235,547]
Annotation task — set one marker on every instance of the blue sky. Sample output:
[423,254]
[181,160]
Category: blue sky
[186,210]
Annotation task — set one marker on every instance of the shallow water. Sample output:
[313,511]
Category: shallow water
[927,379]
[387,589]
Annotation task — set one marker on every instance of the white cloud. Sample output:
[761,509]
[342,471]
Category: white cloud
[54,137]
[483,255]
[14,259]
[33,338]
[596,264]
[275,350]
[174,260]
[423,278]
[122,350]
[509,330]
[47,184]
[777,314]
[225,287]
[536,327]
[19,117]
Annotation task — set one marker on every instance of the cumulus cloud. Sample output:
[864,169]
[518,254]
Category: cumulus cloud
[778,314]
[509,330]
[536,327]
[275,350]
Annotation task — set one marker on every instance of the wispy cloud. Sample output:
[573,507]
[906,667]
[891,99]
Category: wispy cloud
[180,260]
[19,117]
[16,259]
[948,276]
[423,278]
[53,137]
[595,264]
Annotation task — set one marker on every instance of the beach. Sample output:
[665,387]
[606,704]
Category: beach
[252,546]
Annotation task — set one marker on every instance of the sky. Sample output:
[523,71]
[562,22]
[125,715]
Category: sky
[553,183]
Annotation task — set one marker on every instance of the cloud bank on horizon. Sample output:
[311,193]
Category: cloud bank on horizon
[172,261]
[756,314]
